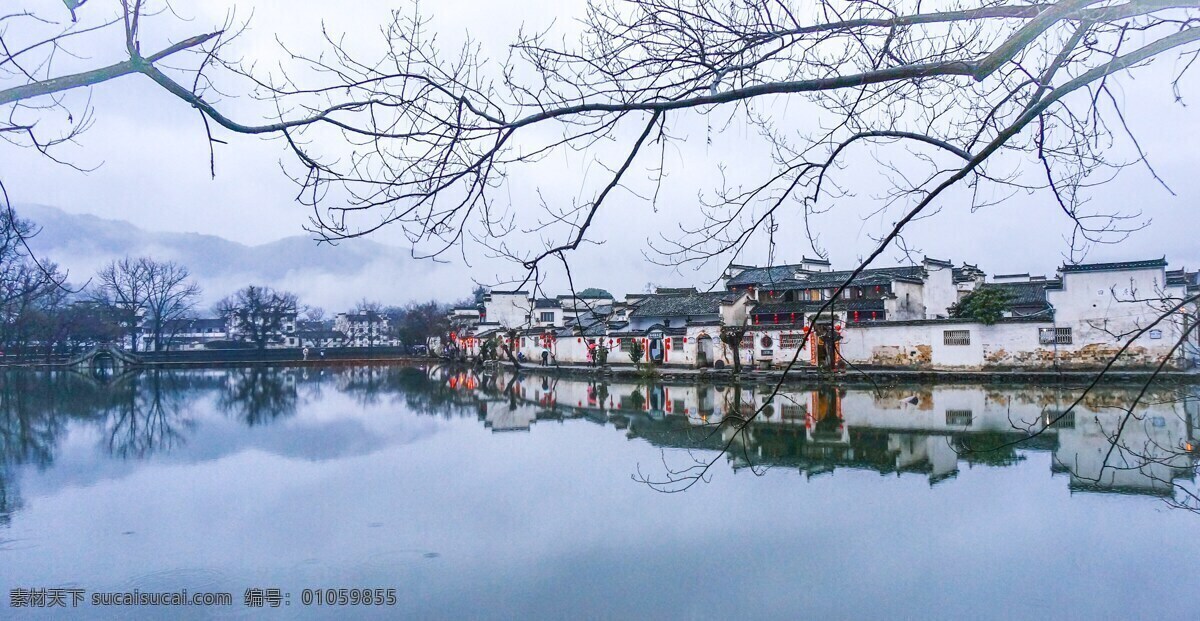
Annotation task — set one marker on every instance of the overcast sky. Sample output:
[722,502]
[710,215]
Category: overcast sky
[152,162]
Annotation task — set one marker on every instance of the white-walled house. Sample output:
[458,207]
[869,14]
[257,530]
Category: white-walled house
[1087,317]
[187,334]
[893,317]
[681,327]
[1098,307]
[365,329]
[508,309]
[284,335]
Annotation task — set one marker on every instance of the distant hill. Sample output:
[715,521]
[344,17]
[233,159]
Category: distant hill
[333,277]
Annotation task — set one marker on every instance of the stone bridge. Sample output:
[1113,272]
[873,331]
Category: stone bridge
[104,356]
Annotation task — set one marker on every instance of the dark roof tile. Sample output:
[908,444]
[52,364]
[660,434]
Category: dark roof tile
[784,277]
[1113,266]
[674,305]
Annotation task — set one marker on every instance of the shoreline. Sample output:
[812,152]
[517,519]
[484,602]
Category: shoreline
[867,376]
[847,376]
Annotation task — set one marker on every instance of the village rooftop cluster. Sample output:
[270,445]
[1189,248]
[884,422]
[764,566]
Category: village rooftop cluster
[922,316]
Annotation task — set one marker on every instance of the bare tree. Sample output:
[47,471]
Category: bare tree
[313,313]
[28,288]
[123,286]
[988,96]
[146,293]
[259,315]
[170,297]
[416,322]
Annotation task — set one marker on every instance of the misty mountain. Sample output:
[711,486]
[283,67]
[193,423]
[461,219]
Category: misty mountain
[334,277]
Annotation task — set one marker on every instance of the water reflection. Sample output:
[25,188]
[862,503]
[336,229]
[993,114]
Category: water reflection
[437,481]
[1097,445]
[933,432]
[259,395]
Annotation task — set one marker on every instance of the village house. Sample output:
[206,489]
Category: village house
[1081,319]
[318,334]
[680,326]
[365,329]
[188,334]
[895,317]
[789,298]
[282,334]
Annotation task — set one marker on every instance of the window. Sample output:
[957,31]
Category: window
[961,418]
[792,412]
[677,343]
[548,316]
[956,337]
[1054,336]
[627,345]
[1054,419]
[747,342]
[791,340]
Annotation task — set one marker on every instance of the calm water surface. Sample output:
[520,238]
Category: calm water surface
[494,496]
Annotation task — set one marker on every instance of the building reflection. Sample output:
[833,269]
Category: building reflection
[933,432]
[929,431]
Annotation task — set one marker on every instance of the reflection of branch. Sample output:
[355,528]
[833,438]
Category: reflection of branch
[259,395]
[148,416]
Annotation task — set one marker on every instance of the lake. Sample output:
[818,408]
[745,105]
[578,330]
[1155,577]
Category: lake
[490,495]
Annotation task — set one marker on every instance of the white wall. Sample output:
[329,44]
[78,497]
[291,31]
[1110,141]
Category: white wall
[909,302]
[510,310]
[940,291]
[1101,308]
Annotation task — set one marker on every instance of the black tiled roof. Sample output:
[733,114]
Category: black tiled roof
[1114,266]
[1178,278]
[675,331]
[193,325]
[596,328]
[1024,296]
[547,303]
[966,272]
[784,277]
[674,305]
[764,275]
